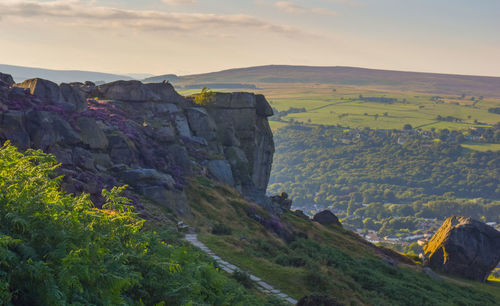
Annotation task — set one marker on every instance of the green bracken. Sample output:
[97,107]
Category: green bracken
[58,249]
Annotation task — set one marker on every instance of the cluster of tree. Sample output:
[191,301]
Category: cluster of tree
[378,99]
[278,116]
[317,167]
[448,118]
[494,110]
[58,249]
[221,86]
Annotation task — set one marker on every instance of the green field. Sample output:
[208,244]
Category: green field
[344,106]
[482,147]
[331,105]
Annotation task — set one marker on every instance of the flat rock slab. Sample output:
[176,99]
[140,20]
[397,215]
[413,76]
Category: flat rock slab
[255,278]
[265,285]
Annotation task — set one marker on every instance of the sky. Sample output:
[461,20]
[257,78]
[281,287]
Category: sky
[196,36]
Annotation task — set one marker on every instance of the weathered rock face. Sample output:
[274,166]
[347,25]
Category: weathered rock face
[42,89]
[243,130]
[464,247]
[326,217]
[6,79]
[143,135]
[69,97]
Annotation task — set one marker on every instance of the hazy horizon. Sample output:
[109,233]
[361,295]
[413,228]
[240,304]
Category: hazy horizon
[197,36]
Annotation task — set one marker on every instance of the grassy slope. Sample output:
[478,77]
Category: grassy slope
[357,277]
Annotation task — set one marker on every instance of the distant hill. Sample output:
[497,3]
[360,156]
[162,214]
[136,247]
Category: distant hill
[20,73]
[409,81]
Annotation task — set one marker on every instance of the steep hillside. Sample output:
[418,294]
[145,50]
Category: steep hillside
[302,257]
[408,81]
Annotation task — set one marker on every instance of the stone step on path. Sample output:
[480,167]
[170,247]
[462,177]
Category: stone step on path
[230,268]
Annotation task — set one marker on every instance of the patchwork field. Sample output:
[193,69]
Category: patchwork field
[359,107]
[362,106]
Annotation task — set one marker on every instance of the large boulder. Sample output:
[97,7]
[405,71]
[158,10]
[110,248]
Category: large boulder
[48,128]
[127,91]
[6,79]
[74,95]
[165,92]
[12,128]
[91,134]
[165,134]
[221,171]
[326,217]
[122,150]
[282,201]
[464,247]
[173,199]
[43,89]
[146,177]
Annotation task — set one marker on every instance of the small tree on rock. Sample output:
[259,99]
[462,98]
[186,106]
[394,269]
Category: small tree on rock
[205,97]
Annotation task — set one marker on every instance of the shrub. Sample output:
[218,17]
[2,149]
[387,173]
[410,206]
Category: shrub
[294,261]
[205,97]
[243,278]
[221,229]
[316,280]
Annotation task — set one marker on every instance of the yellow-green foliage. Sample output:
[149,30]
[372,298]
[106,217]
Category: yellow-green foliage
[205,97]
[58,249]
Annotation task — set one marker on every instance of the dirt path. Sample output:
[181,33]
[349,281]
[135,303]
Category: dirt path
[230,268]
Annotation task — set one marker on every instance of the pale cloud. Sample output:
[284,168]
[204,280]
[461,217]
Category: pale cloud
[83,14]
[348,2]
[179,2]
[293,8]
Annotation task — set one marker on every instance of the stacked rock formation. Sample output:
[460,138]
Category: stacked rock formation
[144,135]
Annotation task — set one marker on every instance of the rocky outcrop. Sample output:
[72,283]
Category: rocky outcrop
[69,97]
[144,135]
[246,138]
[326,217]
[6,80]
[42,89]
[282,202]
[464,247]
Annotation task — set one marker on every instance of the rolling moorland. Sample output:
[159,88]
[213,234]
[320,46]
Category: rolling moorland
[21,73]
[384,79]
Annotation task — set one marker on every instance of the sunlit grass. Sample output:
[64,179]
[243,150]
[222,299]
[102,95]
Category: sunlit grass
[482,147]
